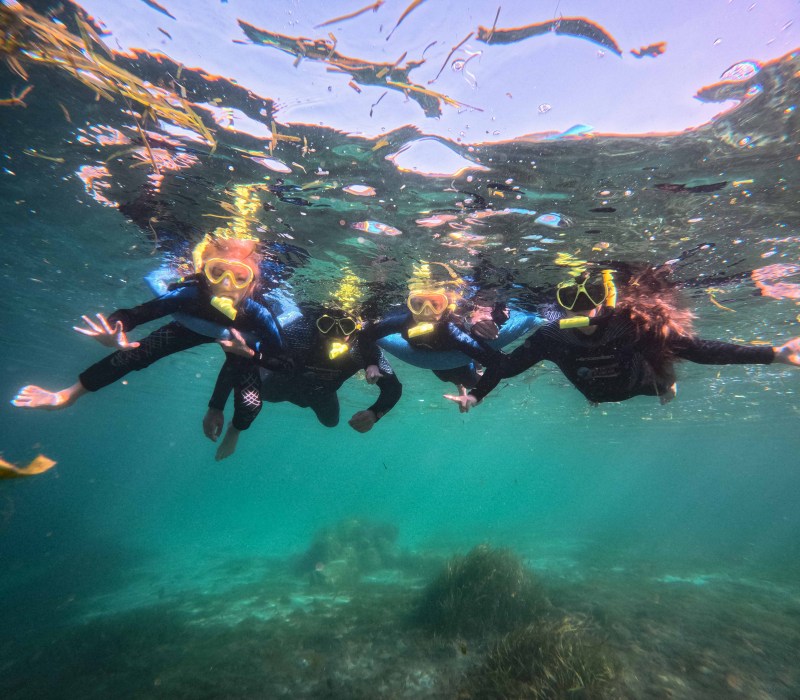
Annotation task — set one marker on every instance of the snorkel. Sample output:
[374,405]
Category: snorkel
[609,301]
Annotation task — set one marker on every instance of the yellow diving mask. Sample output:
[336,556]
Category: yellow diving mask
[435,302]
[238,273]
[587,293]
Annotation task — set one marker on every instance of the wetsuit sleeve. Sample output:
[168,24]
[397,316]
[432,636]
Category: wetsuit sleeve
[394,323]
[164,305]
[504,366]
[471,347]
[714,352]
[269,337]
[390,389]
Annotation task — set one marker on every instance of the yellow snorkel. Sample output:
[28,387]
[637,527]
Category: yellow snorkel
[225,306]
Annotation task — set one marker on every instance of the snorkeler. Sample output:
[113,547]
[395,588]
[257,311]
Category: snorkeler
[326,349]
[614,345]
[429,323]
[220,291]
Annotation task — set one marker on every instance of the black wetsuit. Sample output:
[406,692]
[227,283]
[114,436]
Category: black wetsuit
[445,336]
[314,382]
[193,299]
[612,364]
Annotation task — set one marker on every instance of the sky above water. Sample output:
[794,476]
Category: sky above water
[545,83]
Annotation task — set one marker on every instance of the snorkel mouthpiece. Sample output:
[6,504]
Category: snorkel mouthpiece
[420,329]
[225,306]
[336,348]
[575,322]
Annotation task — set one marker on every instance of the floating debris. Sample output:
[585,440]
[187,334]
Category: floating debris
[277,166]
[652,50]
[578,27]
[360,190]
[741,71]
[553,220]
[38,465]
[376,227]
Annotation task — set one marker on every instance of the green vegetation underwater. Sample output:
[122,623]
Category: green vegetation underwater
[536,547]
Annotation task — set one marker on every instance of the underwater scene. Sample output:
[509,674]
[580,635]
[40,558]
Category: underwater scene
[404,349]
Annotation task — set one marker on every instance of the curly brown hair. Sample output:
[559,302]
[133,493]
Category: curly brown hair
[655,306]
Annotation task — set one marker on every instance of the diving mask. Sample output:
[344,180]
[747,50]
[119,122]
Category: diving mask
[587,293]
[435,302]
[238,273]
[346,325]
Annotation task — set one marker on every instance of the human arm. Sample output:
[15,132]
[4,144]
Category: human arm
[214,420]
[390,392]
[388,325]
[715,352]
[500,367]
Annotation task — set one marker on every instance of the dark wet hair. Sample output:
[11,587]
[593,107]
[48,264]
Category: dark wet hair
[653,302]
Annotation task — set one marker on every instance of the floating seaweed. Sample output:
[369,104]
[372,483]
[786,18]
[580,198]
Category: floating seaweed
[363,72]
[578,27]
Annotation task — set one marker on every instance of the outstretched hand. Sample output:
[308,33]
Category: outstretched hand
[237,345]
[104,334]
[789,353]
[464,400]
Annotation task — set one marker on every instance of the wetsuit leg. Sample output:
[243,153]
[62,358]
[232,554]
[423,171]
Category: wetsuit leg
[466,375]
[247,393]
[163,342]
[326,409]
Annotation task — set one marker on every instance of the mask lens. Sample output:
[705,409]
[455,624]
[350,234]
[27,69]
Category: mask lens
[567,296]
[325,324]
[347,325]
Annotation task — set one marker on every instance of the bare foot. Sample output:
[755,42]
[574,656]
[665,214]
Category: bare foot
[228,445]
[32,396]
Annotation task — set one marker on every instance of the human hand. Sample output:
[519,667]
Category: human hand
[213,422]
[373,373]
[363,421]
[485,329]
[106,335]
[237,345]
[464,400]
[789,353]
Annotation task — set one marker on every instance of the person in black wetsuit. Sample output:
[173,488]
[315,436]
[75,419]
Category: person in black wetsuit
[327,348]
[220,293]
[429,323]
[613,352]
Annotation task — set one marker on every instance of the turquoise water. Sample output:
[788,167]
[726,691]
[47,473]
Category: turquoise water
[140,567]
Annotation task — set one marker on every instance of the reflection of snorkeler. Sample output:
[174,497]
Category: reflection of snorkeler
[327,348]
[429,323]
[227,273]
[613,349]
